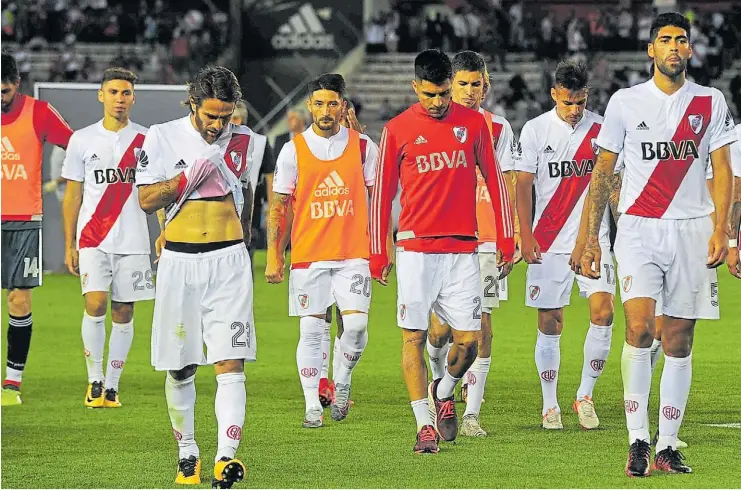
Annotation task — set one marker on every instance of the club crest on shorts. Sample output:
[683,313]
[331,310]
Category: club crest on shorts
[303,300]
[627,283]
[83,279]
[403,312]
[460,133]
[236,157]
[534,292]
[695,121]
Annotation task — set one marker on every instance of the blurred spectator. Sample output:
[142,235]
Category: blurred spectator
[375,37]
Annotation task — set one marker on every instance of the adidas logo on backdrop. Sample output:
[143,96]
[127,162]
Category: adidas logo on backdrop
[304,30]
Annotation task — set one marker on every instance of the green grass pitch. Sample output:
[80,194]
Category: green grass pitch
[53,441]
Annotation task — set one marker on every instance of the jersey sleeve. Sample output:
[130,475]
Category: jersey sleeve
[612,134]
[504,148]
[497,187]
[384,191]
[371,159]
[244,179]
[50,125]
[722,130]
[73,167]
[286,170]
[150,165]
[527,159]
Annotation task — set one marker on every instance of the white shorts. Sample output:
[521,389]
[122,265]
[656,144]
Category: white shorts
[489,274]
[549,283]
[127,277]
[667,257]
[448,284]
[202,299]
[312,291]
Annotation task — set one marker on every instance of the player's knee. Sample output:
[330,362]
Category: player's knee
[677,337]
[638,334]
[122,312]
[550,322]
[19,302]
[96,303]
[414,338]
[311,330]
[602,309]
[229,366]
[466,343]
[438,333]
[185,373]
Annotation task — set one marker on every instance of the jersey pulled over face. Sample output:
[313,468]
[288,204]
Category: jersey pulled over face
[666,141]
[562,158]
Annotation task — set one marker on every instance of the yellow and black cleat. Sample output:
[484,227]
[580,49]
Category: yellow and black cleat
[111,399]
[11,396]
[227,472]
[94,396]
[189,471]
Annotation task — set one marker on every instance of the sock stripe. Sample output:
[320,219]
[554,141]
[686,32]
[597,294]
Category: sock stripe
[25,321]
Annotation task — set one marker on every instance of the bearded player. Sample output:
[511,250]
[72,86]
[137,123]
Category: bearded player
[665,219]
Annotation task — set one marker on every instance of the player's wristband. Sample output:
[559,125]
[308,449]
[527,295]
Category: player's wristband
[182,184]
[733,243]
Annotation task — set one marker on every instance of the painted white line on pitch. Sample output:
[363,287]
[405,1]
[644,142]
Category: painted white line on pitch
[732,425]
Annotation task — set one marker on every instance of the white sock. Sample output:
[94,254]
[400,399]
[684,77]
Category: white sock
[122,334]
[675,389]
[476,383]
[437,356]
[336,355]
[656,351]
[309,358]
[596,350]
[446,387]
[93,338]
[230,404]
[636,369]
[353,342]
[548,360]
[421,410]
[13,375]
[181,402]
[325,349]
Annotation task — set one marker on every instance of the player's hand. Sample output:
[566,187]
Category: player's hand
[717,249]
[575,259]
[591,260]
[734,262]
[72,260]
[352,120]
[505,266]
[50,186]
[380,268]
[159,244]
[518,248]
[530,249]
[275,268]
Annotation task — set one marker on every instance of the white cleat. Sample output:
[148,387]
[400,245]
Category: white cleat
[584,408]
[313,419]
[471,428]
[552,419]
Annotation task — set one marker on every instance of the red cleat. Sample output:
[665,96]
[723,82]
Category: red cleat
[326,392]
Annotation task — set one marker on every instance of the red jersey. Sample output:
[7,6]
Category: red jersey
[48,124]
[435,161]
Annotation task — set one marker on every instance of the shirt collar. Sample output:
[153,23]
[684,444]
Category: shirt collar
[112,133]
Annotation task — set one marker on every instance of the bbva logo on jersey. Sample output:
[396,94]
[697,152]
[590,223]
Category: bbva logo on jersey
[115,176]
[570,168]
[663,150]
[438,161]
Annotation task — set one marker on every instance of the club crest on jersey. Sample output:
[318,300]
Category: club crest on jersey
[236,157]
[695,121]
[534,292]
[595,147]
[303,300]
[460,133]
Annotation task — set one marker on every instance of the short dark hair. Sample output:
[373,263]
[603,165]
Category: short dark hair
[572,75]
[468,61]
[673,19]
[433,66]
[214,82]
[328,81]
[118,73]
[9,69]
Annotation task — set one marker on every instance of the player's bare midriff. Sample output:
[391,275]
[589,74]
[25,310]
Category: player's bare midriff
[205,221]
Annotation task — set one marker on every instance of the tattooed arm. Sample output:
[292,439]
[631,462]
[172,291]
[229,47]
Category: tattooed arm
[154,197]
[734,223]
[600,188]
[276,231]
[617,185]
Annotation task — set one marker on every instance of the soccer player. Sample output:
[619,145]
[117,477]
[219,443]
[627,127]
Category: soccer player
[323,173]
[470,84]
[558,154]
[665,128]
[196,169]
[433,149]
[106,234]
[26,124]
